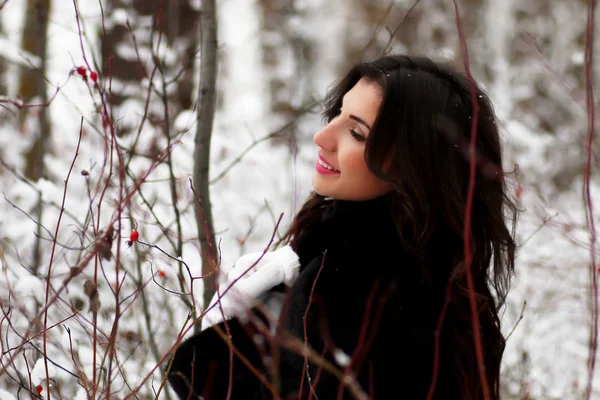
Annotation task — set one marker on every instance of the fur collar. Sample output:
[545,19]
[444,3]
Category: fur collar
[346,224]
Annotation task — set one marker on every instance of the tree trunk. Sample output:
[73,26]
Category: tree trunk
[176,20]
[33,84]
[206,111]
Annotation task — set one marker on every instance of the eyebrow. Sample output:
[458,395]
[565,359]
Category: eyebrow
[360,121]
[355,118]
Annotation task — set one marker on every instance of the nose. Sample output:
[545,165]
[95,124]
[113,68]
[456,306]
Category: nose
[326,138]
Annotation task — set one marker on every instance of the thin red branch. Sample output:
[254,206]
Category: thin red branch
[363,344]
[292,343]
[376,322]
[20,105]
[83,381]
[196,320]
[230,386]
[436,339]
[247,363]
[192,375]
[364,329]
[106,116]
[304,317]
[317,377]
[93,254]
[28,373]
[49,274]
[224,292]
[469,208]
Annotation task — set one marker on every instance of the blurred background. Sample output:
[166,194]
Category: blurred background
[100,105]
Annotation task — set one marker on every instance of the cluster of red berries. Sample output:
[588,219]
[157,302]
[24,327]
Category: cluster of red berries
[134,237]
[82,71]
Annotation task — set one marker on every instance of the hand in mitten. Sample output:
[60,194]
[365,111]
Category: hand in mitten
[252,276]
[247,265]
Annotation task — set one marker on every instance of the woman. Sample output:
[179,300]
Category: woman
[380,308]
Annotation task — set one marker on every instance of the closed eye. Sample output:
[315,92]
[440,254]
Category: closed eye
[357,136]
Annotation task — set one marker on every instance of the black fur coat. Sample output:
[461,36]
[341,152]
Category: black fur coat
[371,315]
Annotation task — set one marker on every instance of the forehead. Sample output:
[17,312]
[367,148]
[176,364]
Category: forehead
[363,100]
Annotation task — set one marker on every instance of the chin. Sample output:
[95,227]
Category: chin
[317,190]
[318,187]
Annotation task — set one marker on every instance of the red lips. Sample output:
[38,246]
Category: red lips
[327,162]
[322,170]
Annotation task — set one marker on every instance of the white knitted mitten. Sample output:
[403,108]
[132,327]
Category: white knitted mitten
[251,277]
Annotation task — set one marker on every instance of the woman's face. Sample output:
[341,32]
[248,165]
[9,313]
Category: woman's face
[342,147]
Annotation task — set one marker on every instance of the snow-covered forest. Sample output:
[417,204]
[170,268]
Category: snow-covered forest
[102,245]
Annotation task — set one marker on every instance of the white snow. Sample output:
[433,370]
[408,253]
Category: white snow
[38,373]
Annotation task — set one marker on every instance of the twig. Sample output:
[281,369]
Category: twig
[196,320]
[304,318]
[174,350]
[20,105]
[179,260]
[113,145]
[438,332]
[83,381]
[387,47]
[30,342]
[172,179]
[258,141]
[539,228]
[518,321]
[150,207]
[378,26]
[148,94]
[64,197]
[589,82]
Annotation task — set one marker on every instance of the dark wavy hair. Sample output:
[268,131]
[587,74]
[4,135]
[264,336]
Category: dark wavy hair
[419,144]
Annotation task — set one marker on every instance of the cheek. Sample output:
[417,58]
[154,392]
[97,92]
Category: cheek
[355,162]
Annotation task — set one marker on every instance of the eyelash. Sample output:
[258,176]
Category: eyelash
[355,135]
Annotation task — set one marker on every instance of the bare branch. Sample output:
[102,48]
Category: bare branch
[590,108]
[64,198]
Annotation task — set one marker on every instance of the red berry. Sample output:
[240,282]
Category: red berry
[134,236]
[519,192]
[161,273]
[39,389]
[82,71]
[94,76]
